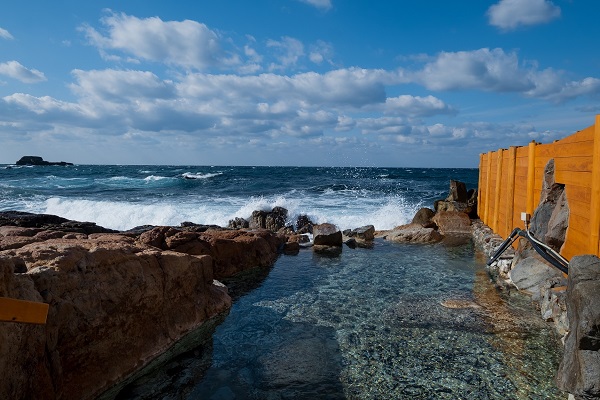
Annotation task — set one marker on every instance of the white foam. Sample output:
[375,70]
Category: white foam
[190,175]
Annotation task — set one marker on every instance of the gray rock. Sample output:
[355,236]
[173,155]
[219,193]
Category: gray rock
[272,220]
[579,371]
[458,192]
[529,274]
[558,223]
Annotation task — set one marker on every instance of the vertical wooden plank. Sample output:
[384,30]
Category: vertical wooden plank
[595,200]
[531,178]
[512,162]
[480,183]
[488,189]
[496,223]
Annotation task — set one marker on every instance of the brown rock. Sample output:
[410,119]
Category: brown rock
[115,304]
[327,235]
[413,233]
[452,222]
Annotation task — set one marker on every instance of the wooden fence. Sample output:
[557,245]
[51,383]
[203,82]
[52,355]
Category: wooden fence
[510,182]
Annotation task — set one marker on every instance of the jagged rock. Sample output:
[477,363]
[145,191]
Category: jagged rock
[238,223]
[458,192]
[304,224]
[291,248]
[579,371]
[413,233]
[327,235]
[114,305]
[452,222]
[272,220]
[558,223]
[35,160]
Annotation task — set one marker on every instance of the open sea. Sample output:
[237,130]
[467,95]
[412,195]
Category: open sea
[367,324]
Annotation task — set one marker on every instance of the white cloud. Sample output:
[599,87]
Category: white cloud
[290,51]
[15,70]
[416,106]
[497,71]
[187,43]
[321,51]
[320,4]
[510,14]
[483,69]
[4,34]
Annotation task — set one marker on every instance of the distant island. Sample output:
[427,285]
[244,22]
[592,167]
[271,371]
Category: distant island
[35,160]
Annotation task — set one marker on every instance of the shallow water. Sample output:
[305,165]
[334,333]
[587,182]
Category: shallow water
[368,324]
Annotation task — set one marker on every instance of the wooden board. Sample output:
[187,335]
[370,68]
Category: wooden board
[30,312]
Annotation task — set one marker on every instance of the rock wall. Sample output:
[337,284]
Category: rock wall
[116,302]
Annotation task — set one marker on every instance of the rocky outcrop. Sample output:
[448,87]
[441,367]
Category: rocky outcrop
[49,222]
[232,251]
[115,304]
[423,217]
[459,199]
[579,371]
[272,220]
[35,160]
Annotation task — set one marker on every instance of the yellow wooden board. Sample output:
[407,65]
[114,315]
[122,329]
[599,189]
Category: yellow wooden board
[30,312]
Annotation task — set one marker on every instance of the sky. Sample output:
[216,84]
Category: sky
[393,83]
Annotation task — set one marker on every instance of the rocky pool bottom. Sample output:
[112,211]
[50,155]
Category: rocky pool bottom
[368,324]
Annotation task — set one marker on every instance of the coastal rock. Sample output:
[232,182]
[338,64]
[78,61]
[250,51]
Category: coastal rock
[115,304]
[529,274]
[49,222]
[459,199]
[452,222]
[238,223]
[304,224]
[231,251]
[35,160]
[458,192]
[579,371]
[423,217]
[272,220]
[364,233]
[413,233]
[327,235]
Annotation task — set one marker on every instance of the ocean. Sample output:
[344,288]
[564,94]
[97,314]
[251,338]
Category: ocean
[123,197]
[365,324]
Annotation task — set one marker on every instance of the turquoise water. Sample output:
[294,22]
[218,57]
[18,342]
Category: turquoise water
[369,325]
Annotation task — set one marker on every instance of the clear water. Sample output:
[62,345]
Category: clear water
[369,325]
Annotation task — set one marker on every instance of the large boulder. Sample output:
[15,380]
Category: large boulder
[423,217]
[115,304]
[327,235]
[579,371]
[452,222]
[530,274]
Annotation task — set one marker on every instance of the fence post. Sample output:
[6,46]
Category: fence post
[595,201]
[512,165]
[496,219]
[480,184]
[531,177]
[488,190]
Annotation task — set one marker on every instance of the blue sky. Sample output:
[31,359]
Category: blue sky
[293,82]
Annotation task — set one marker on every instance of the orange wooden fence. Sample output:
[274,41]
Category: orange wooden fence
[510,182]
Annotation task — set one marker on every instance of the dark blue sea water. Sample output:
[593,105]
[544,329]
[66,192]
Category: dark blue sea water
[366,324]
[122,197]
